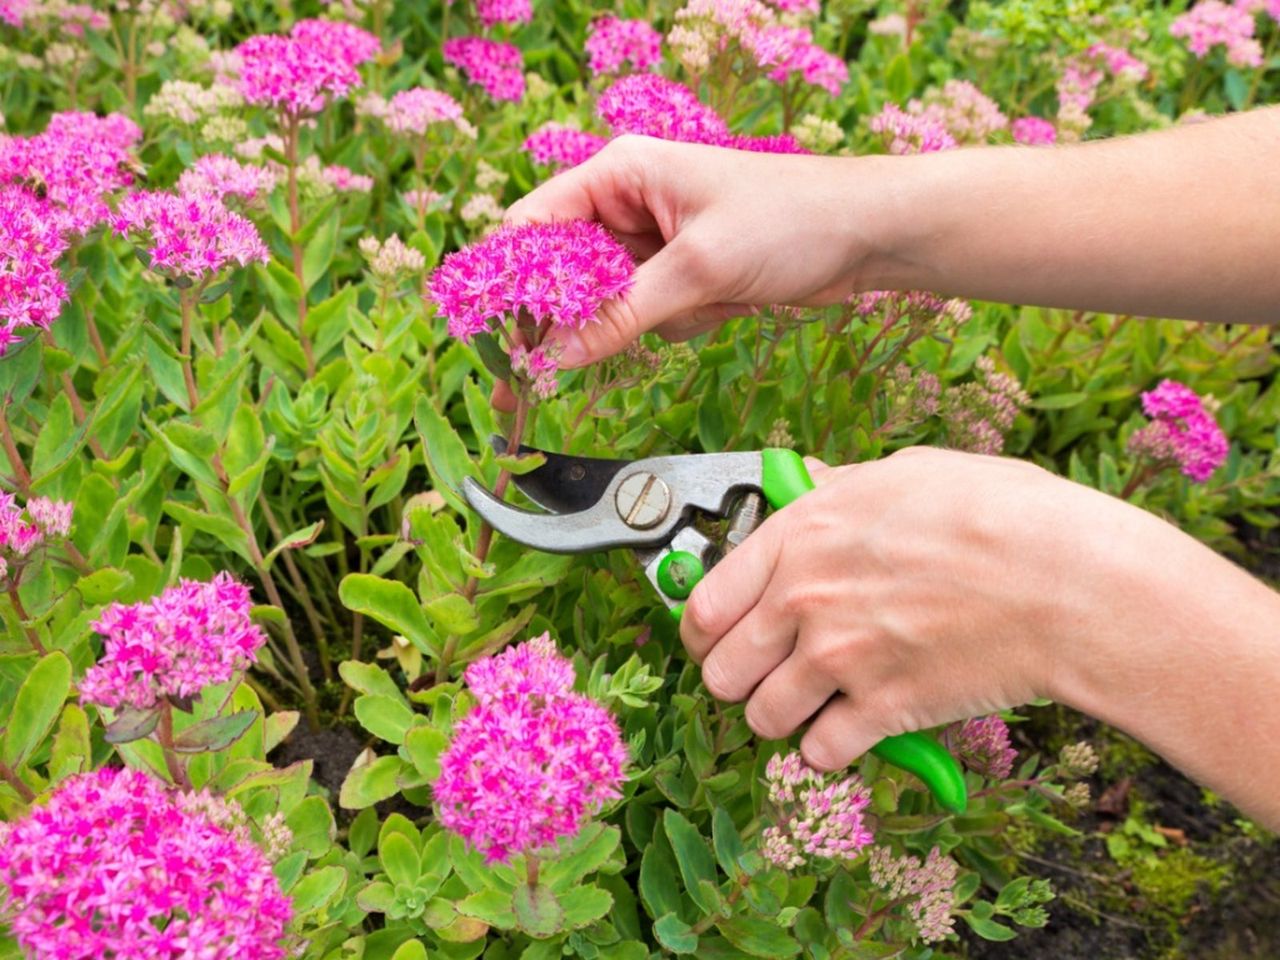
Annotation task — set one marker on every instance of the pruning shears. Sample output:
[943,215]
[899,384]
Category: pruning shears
[659,507]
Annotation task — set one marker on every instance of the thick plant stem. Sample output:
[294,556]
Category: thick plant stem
[20,787]
[32,637]
[531,870]
[164,735]
[292,127]
[484,542]
[21,478]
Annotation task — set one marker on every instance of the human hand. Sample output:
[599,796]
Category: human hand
[927,587]
[718,233]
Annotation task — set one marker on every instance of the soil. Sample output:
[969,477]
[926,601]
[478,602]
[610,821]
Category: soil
[1242,922]
[333,749]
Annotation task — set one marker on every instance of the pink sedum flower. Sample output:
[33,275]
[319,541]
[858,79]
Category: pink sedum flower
[1120,63]
[774,143]
[174,645]
[51,517]
[907,133]
[783,51]
[189,235]
[926,885]
[613,45]
[32,290]
[494,12]
[1212,23]
[119,865]
[222,176]
[292,75]
[555,145]
[800,7]
[13,12]
[1272,7]
[340,41]
[558,272]
[1034,132]
[982,745]
[654,106]
[496,67]
[532,761]
[1181,432]
[964,111]
[415,110]
[345,180]
[817,815]
[77,163]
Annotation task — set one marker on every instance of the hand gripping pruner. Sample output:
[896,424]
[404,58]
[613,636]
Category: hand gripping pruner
[653,506]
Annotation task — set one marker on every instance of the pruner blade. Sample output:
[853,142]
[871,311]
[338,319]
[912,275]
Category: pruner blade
[640,504]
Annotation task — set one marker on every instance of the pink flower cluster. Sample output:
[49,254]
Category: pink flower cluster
[497,67]
[906,133]
[299,73]
[928,885]
[538,366]
[559,272]
[982,744]
[614,44]
[532,761]
[979,414]
[190,235]
[806,7]
[493,12]
[783,51]
[1272,7]
[13,12]
[117,865]
[1120,63]
[414,110]
[553,144]
[654,106]
[1034,132]
[189,637]
[1181,432]
[77,162]
[221,176]
[772,143]
[964,111]
[32,290]
[815,814]
[1213,23]
[45,520]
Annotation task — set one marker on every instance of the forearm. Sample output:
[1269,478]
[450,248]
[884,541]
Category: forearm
[1183,653]
[1181,223]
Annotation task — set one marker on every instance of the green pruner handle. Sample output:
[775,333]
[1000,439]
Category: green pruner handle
[784,478]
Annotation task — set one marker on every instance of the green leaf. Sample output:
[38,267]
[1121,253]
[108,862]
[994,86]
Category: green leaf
[760,938]
[368,678]
[1060,401]
[692,855]
[399,858]
[393,605]
[317,889]
[278,726]
[492,906]
[453,614]
[103,585]
[36,707]
[319,251]
[411,950]
[537,911]
[130,725]
[676,935]
[446,455]
[294,541]
[492,355]
[215,734]
[584,905]
[989,929]
[72,750]
[656,889]
[424,745]
[386,717]
[220,528]
[368,784]
[727,842]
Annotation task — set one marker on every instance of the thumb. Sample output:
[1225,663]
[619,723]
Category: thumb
[662,291]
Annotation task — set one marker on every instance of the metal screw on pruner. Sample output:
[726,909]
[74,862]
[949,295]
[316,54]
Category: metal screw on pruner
[642,500]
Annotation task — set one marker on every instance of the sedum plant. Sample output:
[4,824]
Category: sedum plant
[255,298]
